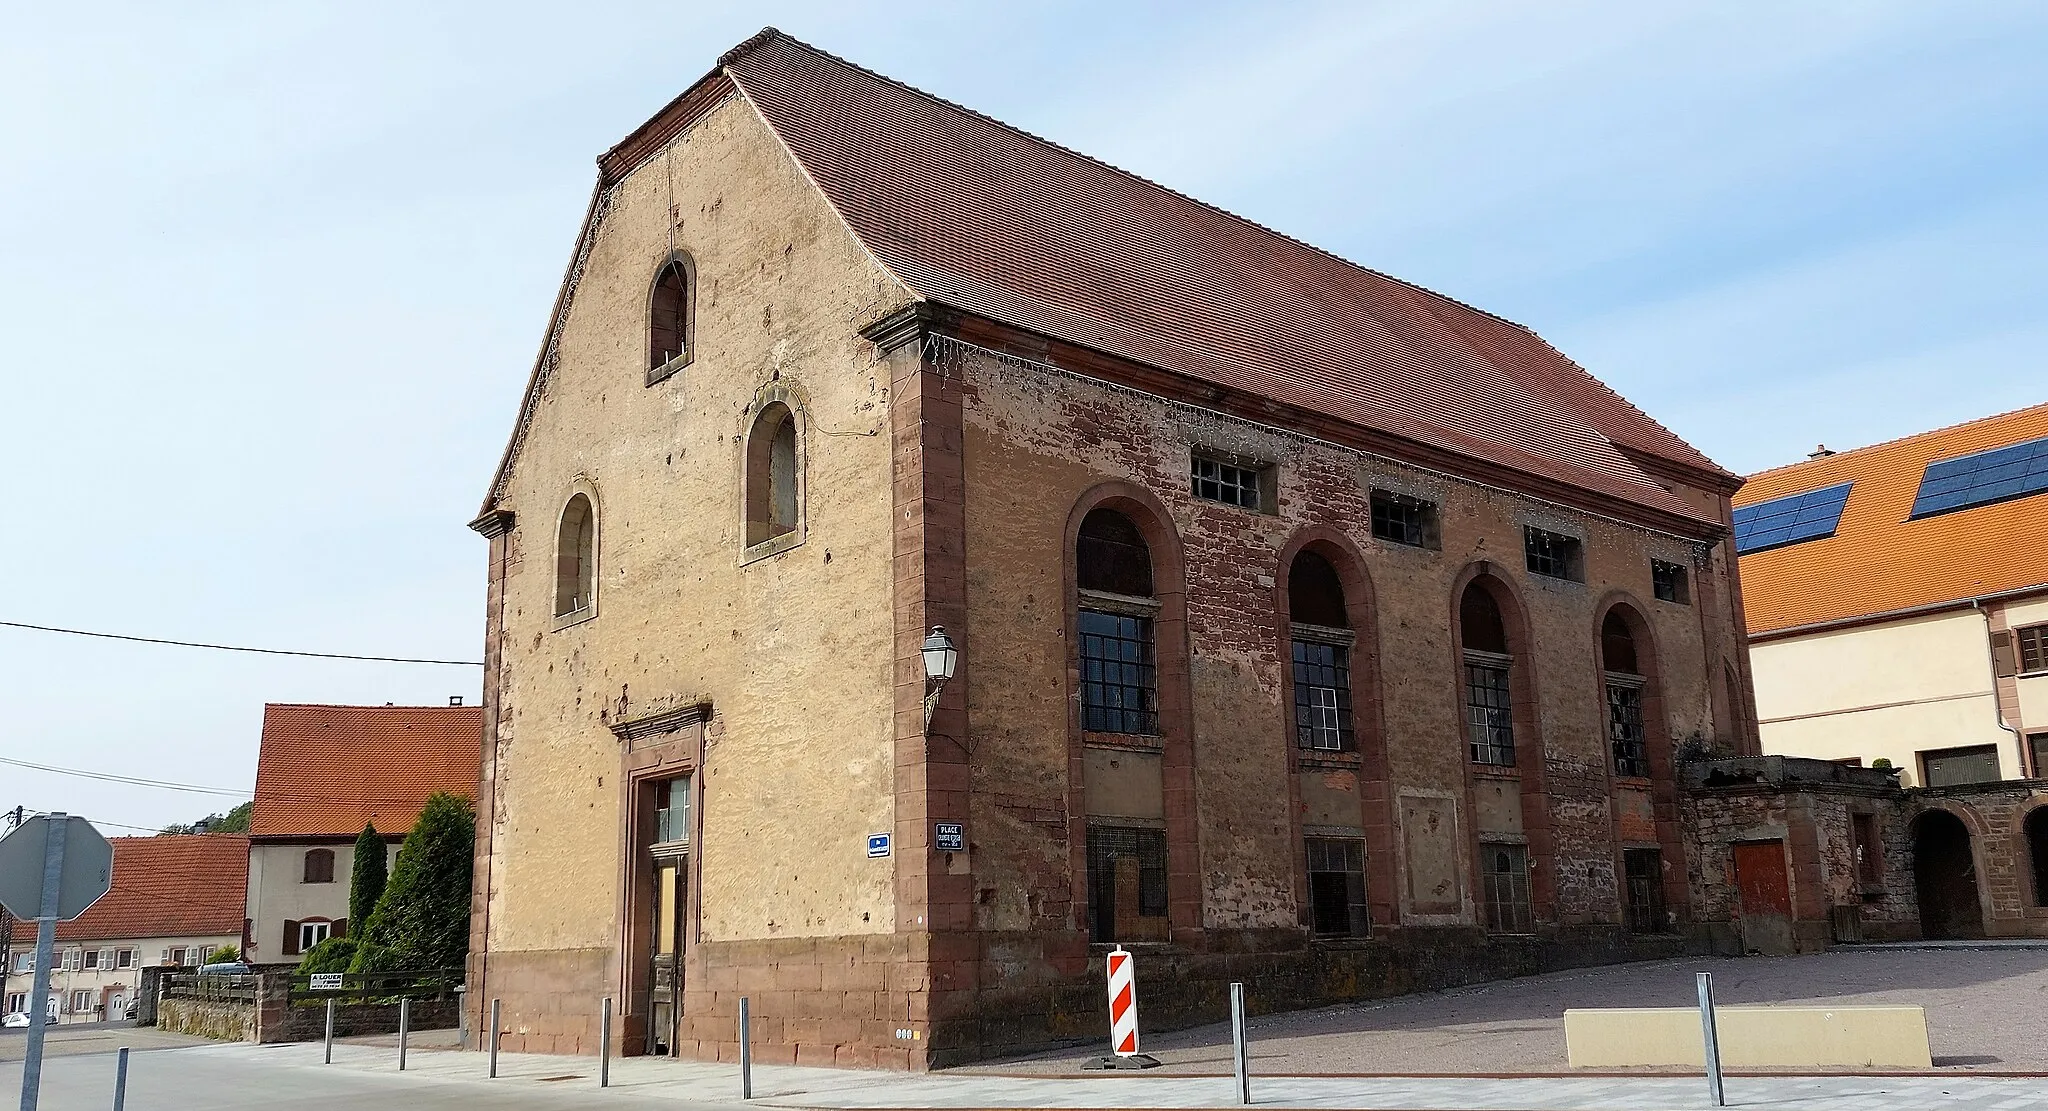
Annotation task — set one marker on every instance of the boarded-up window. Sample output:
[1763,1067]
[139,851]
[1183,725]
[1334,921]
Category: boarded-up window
[774,494]
[1643,871]
[1126,884]
[668,321]
[319,866]
[1864,842]
[1949,767]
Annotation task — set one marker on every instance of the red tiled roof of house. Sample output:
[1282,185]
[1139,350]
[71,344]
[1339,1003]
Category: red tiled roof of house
[324,771]
[174,886]
[975,214]
[1882,560]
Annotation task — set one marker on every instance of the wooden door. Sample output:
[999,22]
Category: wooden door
[1764,897]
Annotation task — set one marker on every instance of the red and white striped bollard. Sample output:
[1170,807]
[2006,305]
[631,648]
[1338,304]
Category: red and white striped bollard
[1123,1003]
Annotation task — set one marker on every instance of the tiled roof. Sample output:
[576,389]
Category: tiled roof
[191,887]
[974,214]
[1878,561]
[326,770]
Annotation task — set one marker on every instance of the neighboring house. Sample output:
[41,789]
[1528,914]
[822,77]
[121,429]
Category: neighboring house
[323,772]
[174,900]
[1314,629]
[1897,602]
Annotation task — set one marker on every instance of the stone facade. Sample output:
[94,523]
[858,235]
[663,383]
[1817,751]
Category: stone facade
[943,471]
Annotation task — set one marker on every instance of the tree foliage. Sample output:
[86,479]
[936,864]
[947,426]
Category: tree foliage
[422,920]
[367,878]
[226,954]
[234,821]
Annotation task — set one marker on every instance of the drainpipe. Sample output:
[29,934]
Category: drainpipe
[1998,709]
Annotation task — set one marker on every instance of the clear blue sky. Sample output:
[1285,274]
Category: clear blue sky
[272,276]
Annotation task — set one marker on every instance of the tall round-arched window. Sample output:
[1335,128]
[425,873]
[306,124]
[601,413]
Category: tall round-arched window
[1489,698]
[1626,737]
[576,557]
[1320,632]
[1119,674]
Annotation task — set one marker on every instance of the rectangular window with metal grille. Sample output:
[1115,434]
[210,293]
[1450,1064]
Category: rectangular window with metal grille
[1504,889]
[1214,480]
[1336,887]
[1489,713]
[1403,519]
[1119,681]
[1625,730]
[2033,642]
[1667,582]
[1322,696]
[1644,870]
[1552,554]
[1126,883]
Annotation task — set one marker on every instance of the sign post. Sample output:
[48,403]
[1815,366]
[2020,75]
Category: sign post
[52,868]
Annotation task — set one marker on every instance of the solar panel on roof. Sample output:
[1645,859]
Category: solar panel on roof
[1790,519]
[2000,474]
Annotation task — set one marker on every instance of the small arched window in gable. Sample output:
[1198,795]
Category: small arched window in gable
[576,558]
[774,492]
[669,319]
[319,866]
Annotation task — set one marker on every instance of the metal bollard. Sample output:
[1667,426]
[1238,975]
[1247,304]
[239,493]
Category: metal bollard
[604,1045]
[1712,1038]
[404,1029]
[746,1049]
[327,1057]
[495,1026]
[1240,1055]
[121,1081]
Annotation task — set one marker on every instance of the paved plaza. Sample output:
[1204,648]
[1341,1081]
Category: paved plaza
[1985,1009]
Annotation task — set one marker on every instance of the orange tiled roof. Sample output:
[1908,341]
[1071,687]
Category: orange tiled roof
[326,770]
[192,886]
[1878,561]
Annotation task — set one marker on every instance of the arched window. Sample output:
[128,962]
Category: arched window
[1119,674]
[774,500]
[319,866]
[1489,697]
[1626,737]
[2037,852]
[1321,634]
[668,321]
[576,558]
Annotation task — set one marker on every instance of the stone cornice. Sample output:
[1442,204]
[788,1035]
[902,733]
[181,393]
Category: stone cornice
[672,720]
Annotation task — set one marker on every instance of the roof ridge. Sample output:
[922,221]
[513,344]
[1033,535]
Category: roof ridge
[364,706]
[1896,440]
[769,34]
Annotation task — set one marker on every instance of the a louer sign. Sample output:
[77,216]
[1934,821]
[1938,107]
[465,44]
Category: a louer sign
[51,869]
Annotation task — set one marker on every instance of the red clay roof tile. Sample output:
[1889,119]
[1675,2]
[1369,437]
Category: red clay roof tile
[326,770]
[173,886]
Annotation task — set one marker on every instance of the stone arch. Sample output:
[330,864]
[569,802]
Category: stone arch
[1167,605]
[2033,832]
[1945,880]
[1639,657]
[1527,774]
[1361,617]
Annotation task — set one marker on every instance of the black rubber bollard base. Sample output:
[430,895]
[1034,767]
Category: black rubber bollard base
[1136,1061]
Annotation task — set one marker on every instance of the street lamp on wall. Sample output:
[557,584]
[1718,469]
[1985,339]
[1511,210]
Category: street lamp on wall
[940,658]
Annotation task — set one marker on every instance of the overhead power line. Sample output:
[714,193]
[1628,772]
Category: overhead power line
[129,779]
[239,648]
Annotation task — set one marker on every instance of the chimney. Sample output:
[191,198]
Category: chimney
[455,700]
[1820,451]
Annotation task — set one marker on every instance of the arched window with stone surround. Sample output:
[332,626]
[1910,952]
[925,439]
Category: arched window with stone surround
[1488,686]
[670,316]
[576,557]
[1119,672]
[1627,739]
[774,494]
[1319,632]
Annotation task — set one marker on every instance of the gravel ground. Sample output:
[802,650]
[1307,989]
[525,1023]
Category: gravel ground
[1986,1010]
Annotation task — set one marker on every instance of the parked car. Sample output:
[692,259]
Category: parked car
[19,1019]
[225,968]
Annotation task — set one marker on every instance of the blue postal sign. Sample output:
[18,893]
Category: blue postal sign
[878,845]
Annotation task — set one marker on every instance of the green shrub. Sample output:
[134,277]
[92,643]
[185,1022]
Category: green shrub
[368,876]
[422,920]
[226,954]
[335,954]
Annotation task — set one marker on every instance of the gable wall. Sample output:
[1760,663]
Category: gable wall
[792,651]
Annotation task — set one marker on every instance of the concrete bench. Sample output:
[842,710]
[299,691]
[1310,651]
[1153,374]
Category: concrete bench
[1782,1037]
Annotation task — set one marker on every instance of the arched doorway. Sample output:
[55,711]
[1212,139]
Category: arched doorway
[1945,877]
